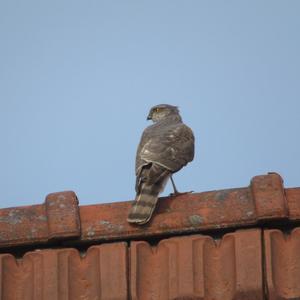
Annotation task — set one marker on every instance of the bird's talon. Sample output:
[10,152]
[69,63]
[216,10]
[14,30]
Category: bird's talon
[180,193]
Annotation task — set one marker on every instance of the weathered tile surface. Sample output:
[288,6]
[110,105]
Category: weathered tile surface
[282,259]
[57,218]
[62,274]
[60,218]
[198,267]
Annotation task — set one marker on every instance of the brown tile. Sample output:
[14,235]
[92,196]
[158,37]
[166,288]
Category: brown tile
[56,219]
[264,199]
[62,215]
[60,218]
[197,267]
[269,197]
[63,274]
[293,197]
[282,259]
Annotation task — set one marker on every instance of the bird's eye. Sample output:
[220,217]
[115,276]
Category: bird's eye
[156,109]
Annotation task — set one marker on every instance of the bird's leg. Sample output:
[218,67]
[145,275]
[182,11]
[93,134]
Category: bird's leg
[174,186]
[176,193]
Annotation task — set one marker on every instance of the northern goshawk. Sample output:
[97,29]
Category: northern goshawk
[165,147]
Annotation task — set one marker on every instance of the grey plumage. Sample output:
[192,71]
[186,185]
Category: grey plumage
[165,147]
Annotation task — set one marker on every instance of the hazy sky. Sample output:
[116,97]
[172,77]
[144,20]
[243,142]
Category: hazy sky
[77,79]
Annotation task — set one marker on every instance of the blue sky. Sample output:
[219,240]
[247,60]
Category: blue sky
[77,79]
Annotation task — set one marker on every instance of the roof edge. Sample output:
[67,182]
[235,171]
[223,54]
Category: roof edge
[60,217]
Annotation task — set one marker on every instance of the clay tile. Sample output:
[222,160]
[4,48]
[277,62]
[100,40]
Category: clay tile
[269,197]
[101,273]
[282,260]
[198,267]
[58,218]
[264,200]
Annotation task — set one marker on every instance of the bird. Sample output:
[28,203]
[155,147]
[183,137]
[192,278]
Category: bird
[165,147]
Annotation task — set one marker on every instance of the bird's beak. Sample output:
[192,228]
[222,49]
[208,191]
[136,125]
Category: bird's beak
[149,117]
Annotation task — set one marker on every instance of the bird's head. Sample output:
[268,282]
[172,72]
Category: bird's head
[162,111]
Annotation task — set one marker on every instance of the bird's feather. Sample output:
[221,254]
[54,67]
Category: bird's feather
[170,145]
[151,182]
[165,147]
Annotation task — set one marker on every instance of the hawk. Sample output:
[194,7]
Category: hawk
[165,147]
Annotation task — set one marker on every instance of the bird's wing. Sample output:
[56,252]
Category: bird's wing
[139,162]
[162,151]
[172,146]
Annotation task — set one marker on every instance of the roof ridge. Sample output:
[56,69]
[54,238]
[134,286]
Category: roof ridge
[61,218]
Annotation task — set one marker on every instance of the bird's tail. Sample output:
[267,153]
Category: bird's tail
[145,202]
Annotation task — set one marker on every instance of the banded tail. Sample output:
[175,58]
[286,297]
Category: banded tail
[145,202]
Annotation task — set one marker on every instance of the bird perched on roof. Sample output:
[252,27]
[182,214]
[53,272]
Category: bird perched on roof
[165,147]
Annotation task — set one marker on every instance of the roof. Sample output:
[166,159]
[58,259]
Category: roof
[240,243]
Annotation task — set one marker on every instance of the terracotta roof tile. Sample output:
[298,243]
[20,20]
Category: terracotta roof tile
[269,197]
[293,203]
[57,218]
[240,265]
[197,267]
[255,263]
[282,257]
[64,274]
[264,200]
[61,217]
